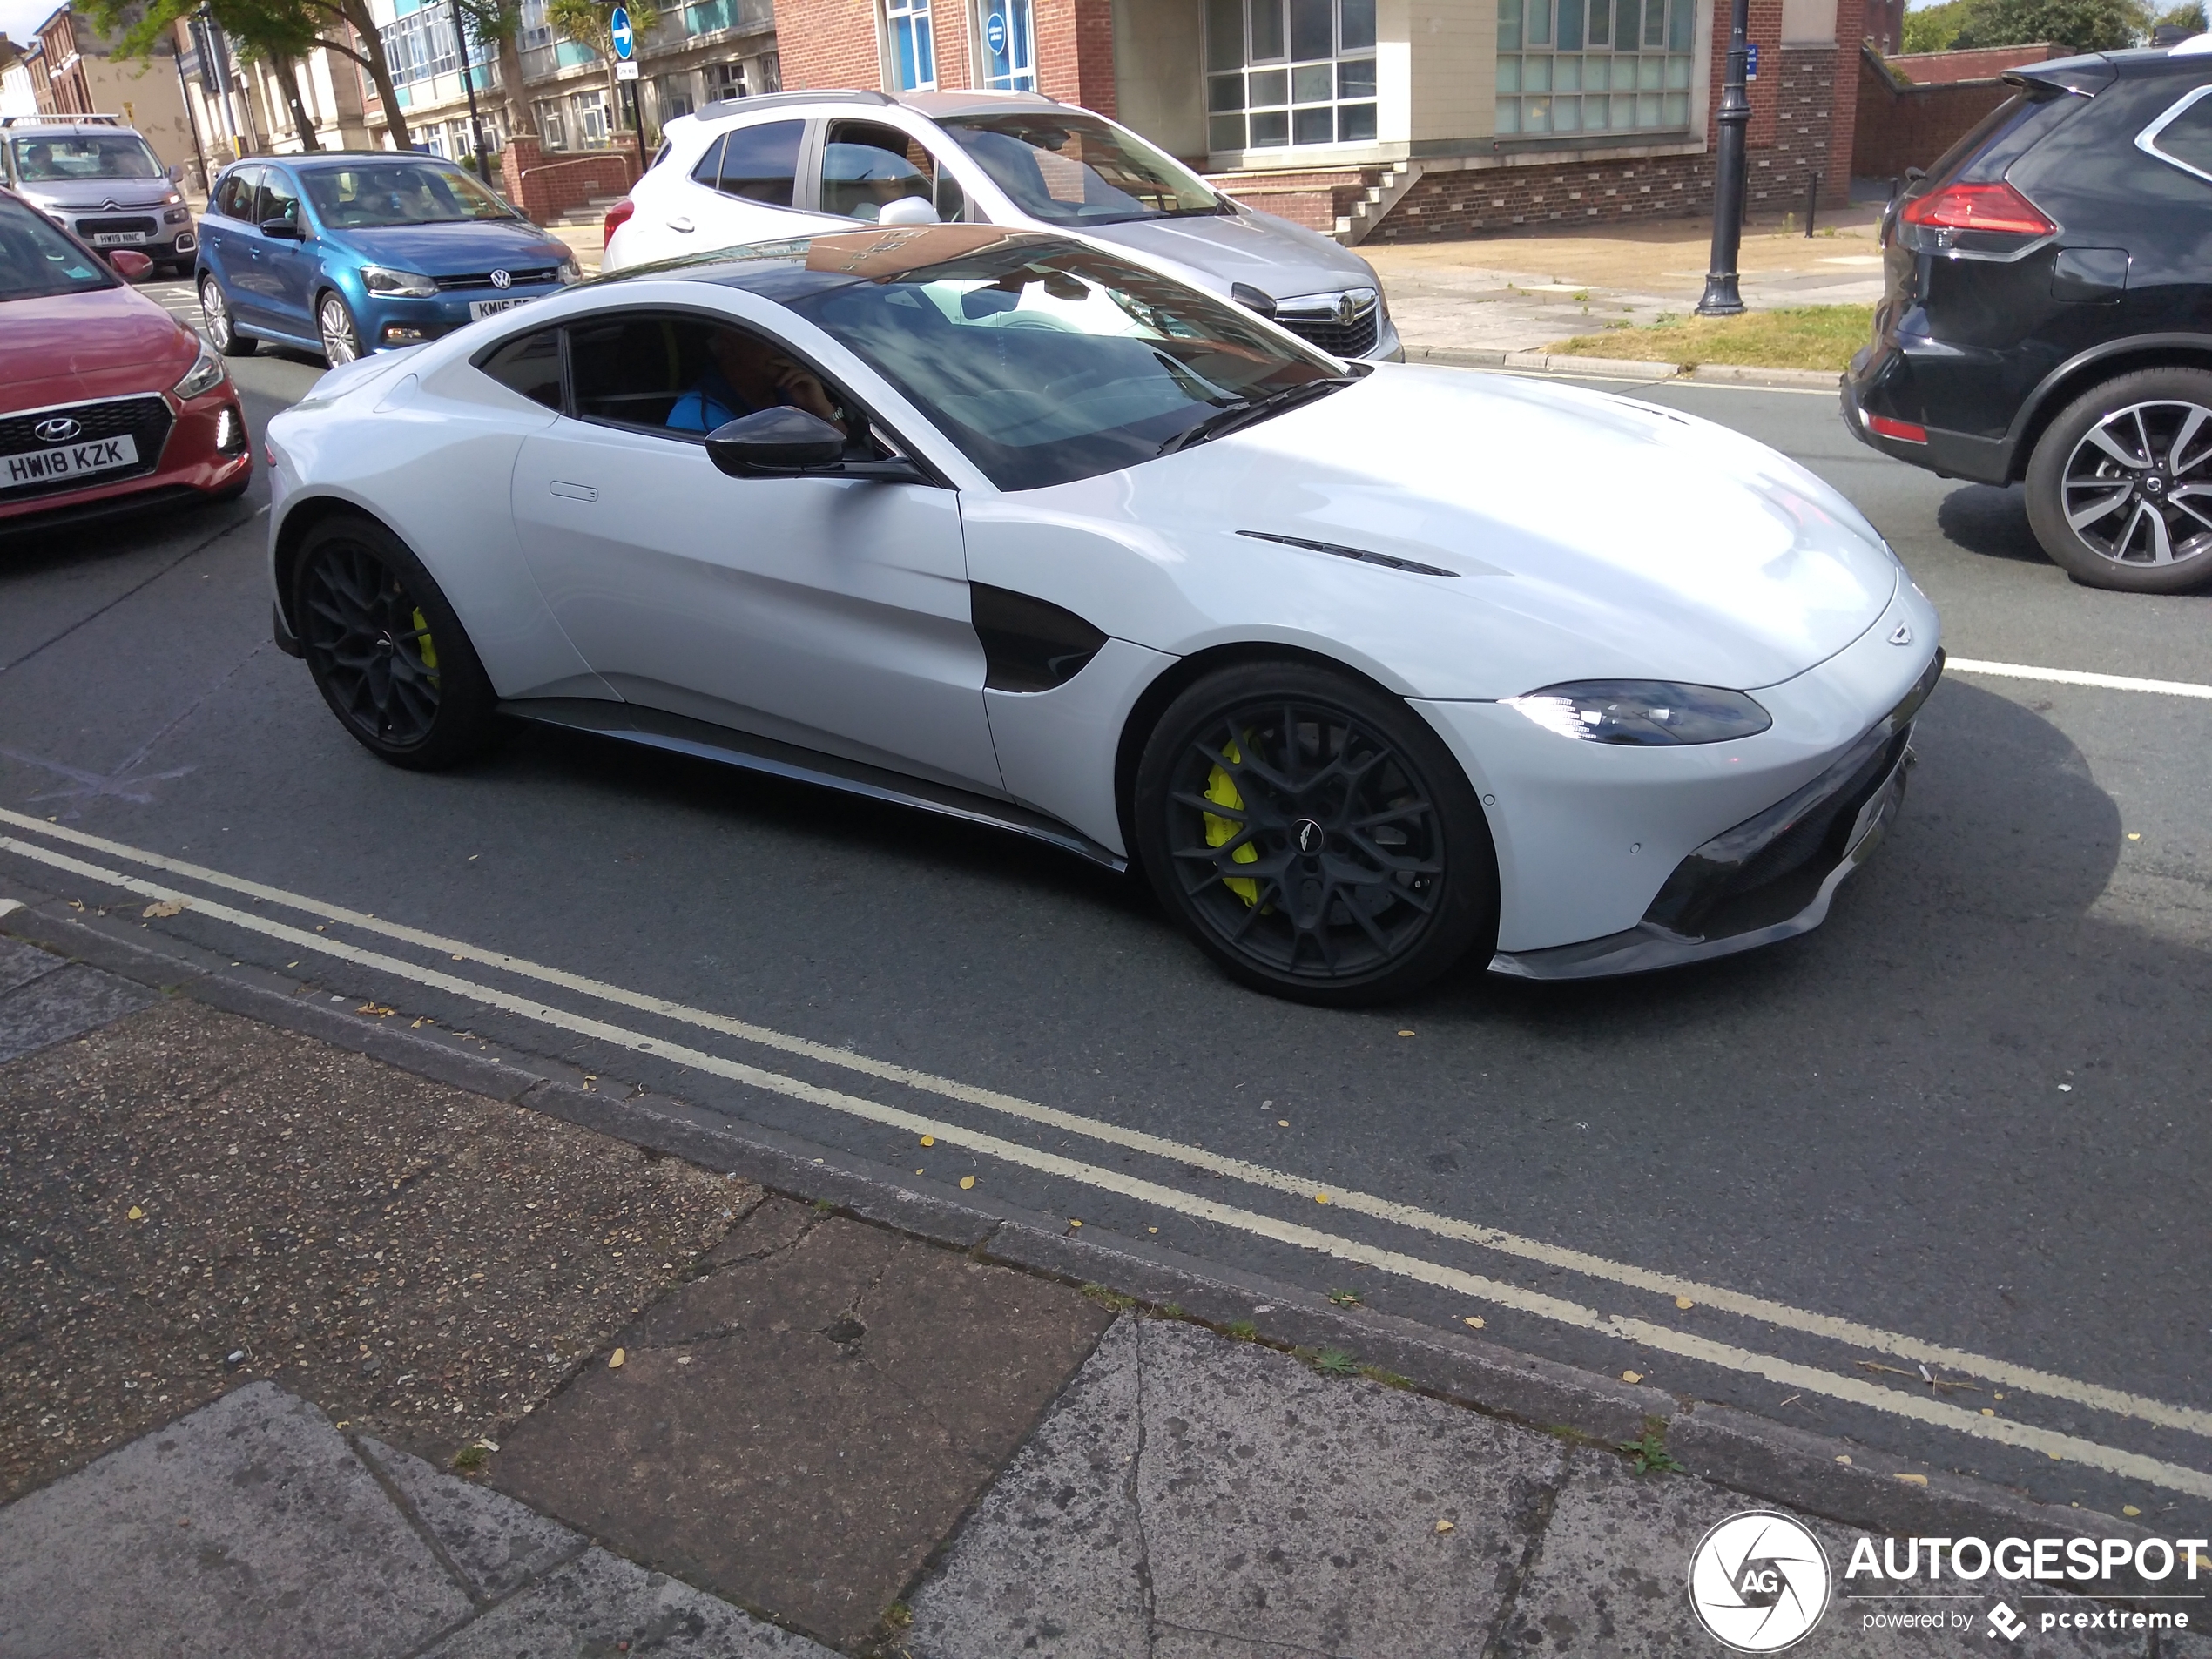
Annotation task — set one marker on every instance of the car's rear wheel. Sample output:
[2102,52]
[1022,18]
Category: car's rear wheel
[1313,834]
[222,326]
[2120,487]
[341,341]
[386,649]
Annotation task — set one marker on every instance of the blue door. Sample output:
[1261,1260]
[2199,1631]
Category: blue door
[291,269]
[229,244]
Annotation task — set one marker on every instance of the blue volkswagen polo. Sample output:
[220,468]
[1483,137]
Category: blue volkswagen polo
[353,252]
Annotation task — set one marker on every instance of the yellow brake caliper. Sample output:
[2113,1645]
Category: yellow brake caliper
[1221,789]
[428,650]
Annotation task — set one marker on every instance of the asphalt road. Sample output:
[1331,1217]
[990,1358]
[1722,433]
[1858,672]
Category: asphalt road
[1969,1113]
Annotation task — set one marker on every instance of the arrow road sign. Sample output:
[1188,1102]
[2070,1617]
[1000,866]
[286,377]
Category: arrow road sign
[618,27]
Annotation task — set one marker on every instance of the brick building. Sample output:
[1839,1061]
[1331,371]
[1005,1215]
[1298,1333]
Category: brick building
[1392,119]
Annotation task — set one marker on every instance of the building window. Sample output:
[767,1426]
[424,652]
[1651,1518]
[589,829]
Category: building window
[905,27]
[423,44]
[591,117]
[724,80]
[548,124]
[675,97]
[1290,71]
[772,73]
[1594,65]
[1008,31]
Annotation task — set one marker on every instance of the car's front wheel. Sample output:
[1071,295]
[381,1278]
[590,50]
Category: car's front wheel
[2120,487]
[387,650]
[341,341]
[220,323]
[1313,834]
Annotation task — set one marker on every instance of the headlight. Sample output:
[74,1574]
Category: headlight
[1643,712]
[413,285]
[205,373]
[172,200]
[570,271]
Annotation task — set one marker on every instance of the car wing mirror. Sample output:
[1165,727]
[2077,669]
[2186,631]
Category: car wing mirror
[175,172]
[909,210]
[129,264]
[776,443]
[283,229]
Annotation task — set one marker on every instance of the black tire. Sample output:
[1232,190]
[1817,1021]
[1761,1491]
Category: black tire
[1276,855]
[386,649]
[220,322]
[341,335]
[2120,487]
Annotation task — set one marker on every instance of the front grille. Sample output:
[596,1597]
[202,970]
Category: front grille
[145,420]
[483,278]
[1355,339]
[109,226]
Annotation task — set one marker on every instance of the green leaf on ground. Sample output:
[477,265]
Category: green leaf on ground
[1800,337]
[1649,1454]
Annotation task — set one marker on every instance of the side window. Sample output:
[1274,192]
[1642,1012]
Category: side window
[709,170]
[276,200]
[684,376]
[235,198]
[760,162]
[2183,135]
[530,365]
[866,167]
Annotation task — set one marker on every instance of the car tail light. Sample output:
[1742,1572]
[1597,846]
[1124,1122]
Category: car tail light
[1882,426]
[619,216]
[1978,208]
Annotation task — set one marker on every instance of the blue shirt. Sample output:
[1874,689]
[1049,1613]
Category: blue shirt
[713,403]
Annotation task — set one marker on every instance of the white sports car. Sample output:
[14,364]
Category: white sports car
[1366,666]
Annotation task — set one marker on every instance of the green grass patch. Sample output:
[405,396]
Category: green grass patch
[1802,337]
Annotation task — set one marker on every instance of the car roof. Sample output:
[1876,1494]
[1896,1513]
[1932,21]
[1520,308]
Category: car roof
[322,159]
[864,251]
[932,104]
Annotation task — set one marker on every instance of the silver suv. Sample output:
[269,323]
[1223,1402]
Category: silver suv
[97,177]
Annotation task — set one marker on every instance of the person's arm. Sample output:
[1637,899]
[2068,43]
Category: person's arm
[800,388]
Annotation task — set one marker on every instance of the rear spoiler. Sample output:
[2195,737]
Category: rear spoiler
[2085,77]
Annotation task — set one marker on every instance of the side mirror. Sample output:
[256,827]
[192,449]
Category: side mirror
[129,264]
[909,210]
[177,172]
[774,442]
[283,229]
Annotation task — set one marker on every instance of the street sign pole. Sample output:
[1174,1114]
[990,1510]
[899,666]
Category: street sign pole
[625,44]
[1721,297]
[469,82]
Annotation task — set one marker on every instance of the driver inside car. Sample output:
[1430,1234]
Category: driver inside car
[745,376]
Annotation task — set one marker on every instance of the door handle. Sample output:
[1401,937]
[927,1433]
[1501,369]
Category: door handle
[573,492]
[681,223]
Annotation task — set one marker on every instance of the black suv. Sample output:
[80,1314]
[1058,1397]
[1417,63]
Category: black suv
[2048,315]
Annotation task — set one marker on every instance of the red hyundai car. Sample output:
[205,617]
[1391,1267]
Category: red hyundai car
[107,400]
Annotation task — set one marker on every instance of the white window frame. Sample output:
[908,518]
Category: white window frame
[1650,88]
[911,20]
[1266,85]
[1021,76]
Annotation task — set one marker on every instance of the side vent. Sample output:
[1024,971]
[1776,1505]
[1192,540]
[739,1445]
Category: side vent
[1028,645]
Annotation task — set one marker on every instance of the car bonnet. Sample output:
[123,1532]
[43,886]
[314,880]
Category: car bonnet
[1586,537]
[1277,258]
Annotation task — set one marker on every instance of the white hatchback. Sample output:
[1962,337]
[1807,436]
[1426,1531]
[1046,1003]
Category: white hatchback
[793,164]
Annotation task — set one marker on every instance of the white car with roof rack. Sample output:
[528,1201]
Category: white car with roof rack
[791,164]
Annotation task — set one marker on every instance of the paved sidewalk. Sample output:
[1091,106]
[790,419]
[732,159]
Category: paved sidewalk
[695,1419]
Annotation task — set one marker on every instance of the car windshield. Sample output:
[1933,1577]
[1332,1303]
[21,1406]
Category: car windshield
[1063,168]
[37,260]
[1044,360]
[63,158]
[376,194]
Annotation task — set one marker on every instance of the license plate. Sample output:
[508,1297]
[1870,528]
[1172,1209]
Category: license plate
[119,238]
[67,460]
[479,309]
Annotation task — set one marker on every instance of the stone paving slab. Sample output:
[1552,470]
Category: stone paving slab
[43,1009]
[1193,1495]
[491,1543]
[244,1529]
[800,1427]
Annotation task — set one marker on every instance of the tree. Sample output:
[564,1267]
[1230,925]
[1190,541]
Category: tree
[2190,16]
[2086,25]
[588,23]
[1934,28]
[501,22]
[275,30]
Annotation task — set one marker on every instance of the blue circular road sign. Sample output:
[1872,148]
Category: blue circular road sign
[618,27]
[995,33]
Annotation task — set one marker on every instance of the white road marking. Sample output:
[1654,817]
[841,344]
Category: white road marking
[1807,1379]
[2025,1378]
[2076,676]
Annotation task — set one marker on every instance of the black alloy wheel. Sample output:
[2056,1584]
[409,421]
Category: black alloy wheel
[2120,487]
[386,649]
[1314,835]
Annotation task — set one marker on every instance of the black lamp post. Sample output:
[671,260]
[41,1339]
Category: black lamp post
[1721,299]
[469,85]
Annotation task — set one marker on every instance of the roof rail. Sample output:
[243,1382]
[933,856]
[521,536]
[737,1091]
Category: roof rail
[723,106]
[61,120]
